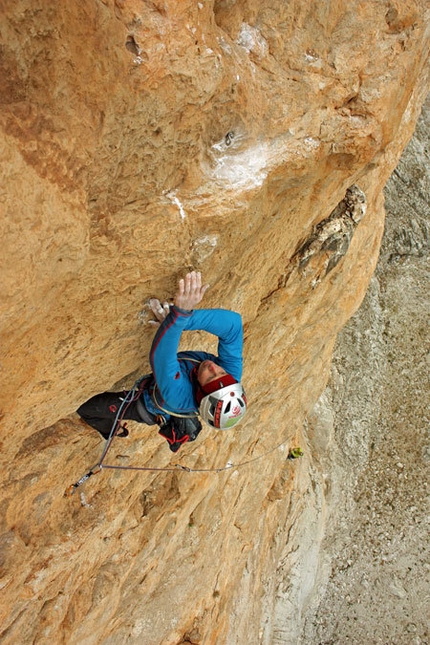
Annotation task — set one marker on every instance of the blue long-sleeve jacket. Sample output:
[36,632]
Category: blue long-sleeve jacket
[174,391]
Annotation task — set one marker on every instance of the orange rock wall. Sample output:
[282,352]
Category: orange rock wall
[140,139]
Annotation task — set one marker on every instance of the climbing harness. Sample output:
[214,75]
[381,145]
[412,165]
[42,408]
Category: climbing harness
[131,396]
[173,414]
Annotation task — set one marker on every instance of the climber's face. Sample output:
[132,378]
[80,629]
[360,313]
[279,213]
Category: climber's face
[209,371]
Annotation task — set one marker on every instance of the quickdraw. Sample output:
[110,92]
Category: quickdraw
[71,489]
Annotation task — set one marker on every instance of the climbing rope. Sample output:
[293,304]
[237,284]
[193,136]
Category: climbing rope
[293,454]
[131,396]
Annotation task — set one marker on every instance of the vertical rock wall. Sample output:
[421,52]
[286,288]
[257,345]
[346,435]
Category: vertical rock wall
[140,139]
[371,464]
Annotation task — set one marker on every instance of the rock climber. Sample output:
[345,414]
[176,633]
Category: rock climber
[182,385]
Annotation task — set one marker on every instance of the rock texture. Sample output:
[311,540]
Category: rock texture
[140,139]
[373,581]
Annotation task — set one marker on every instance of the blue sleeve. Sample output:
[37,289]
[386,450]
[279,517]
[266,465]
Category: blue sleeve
[175,387]
[227,325]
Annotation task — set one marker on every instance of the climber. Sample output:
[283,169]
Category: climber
[186,384]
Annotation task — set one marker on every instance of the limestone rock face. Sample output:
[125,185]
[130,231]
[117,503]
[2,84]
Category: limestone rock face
[140,139]
[368,436]
[387,549]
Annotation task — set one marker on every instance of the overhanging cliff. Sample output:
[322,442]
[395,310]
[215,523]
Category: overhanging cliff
[140,139]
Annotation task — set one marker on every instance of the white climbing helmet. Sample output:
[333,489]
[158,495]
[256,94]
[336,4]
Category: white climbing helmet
[225,407]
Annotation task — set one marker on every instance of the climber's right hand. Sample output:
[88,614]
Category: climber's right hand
[190,291]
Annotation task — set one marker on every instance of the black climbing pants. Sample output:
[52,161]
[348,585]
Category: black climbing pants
[100,412]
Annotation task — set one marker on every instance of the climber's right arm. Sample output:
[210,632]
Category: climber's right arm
[174,386]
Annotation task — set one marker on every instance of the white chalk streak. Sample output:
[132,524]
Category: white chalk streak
[173,198]
[245,169]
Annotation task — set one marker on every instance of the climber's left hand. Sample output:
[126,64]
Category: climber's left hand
[159,310]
